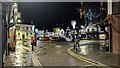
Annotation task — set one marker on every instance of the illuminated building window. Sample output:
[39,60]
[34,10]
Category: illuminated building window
[18,33]
[30,33]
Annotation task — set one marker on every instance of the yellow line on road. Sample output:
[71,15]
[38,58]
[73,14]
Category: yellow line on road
[35,58]
[84,59]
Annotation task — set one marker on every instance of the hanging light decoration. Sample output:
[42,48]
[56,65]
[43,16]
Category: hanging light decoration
[82,11]
[102,6]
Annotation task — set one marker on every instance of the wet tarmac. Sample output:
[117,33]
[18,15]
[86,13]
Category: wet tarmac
[93,51]
[58,56]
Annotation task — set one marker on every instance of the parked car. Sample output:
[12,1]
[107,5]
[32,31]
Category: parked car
[45,39]
[54,38]
[60,39]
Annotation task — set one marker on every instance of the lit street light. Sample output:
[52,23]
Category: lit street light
[73,23]
[36,31]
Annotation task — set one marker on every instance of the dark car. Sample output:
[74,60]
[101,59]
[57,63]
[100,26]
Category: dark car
[54,38]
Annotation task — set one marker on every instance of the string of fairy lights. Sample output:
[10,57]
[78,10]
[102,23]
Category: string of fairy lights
[82,11]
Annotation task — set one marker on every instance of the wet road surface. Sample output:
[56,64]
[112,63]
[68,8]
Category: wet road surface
[22,56]
[57,56]
[94,52]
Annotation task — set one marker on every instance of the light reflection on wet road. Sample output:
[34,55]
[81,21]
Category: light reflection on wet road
[22,56]
[58,56]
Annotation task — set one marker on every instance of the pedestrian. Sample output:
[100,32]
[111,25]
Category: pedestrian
[77,40]
[32,43]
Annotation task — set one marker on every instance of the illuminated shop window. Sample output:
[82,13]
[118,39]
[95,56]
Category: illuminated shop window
[30,34]
[18,33]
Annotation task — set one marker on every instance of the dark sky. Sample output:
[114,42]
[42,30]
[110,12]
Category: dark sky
[52,14]
[49,15]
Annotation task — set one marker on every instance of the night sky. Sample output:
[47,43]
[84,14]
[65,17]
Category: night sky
[47,15]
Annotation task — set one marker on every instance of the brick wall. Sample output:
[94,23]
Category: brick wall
[115,33]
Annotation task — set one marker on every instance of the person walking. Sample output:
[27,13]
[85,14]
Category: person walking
[32,43]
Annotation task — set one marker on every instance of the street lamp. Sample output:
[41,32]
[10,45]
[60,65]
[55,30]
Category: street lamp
[19,21]
[73,23]
[36,31]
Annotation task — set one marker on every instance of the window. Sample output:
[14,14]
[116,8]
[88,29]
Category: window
[23,28]
[30,34]
[87,30]
[30,28]
[27,34]
[92,30]
[26,28]
[18,34]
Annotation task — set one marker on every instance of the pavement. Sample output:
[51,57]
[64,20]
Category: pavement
[91,51]
[21,56]
[8,61]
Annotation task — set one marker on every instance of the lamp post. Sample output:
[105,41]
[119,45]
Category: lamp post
[32,38]
[36,30]
[73,23]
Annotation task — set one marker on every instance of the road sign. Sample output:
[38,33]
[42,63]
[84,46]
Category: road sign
[109,19]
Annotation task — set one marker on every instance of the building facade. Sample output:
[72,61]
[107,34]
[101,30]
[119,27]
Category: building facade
[24,31]
[92,32]
[3,30]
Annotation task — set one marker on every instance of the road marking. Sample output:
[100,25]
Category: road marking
[35,60]
[85,59]
[58,46]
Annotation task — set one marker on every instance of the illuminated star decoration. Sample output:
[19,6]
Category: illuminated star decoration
[90,16]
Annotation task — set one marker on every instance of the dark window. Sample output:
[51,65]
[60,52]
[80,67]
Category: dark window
[92,30]
[27,34]
[87,30]
[27,28]
[30,28]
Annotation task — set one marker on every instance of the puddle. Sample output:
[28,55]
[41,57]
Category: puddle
[58,46]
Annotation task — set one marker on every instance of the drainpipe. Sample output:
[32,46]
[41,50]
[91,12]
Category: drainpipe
[109,5]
